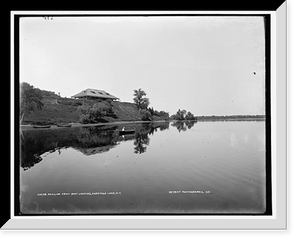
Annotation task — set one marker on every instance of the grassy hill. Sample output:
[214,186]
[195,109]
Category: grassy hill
[64,110]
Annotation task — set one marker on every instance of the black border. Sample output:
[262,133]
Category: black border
[16,114]
[267,105]
[268,115]
[217,5]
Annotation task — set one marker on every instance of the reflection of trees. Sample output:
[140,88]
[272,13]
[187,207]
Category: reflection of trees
[164,126]
[190,124]
[179,125]
[183,125]
[30,152]
[87,140]
[94,140]
[33,145]
[141,141]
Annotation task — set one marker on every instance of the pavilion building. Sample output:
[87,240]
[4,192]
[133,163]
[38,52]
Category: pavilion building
[94,94]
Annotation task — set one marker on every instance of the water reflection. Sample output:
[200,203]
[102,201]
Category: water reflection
[141,141]
[183,125]
[30,151]
[87,140]
[225,159]
[141,138]
[93,140]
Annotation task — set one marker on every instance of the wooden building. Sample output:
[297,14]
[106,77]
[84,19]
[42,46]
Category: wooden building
[94,94]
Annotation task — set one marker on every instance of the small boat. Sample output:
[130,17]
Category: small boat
[124,132]
[63,125]
[41,126]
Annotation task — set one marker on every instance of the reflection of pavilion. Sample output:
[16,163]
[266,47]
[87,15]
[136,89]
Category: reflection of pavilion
[88,140]
[95,150]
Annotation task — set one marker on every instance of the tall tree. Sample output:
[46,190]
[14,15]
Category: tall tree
[180,115]
[140,100]
[31,100]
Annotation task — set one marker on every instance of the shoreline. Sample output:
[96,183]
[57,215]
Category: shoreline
[30,127]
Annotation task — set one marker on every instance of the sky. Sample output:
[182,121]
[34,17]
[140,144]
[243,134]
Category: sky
[209,65]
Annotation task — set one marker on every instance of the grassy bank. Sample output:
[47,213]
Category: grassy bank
[64,110]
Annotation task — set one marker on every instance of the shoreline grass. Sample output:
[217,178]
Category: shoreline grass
[77,124]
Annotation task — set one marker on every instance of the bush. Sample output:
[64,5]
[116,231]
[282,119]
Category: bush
[95,113]
[190,116]
[102,107]
[84,118]
[180,115]
[145,115]
[163,114]
[84,113]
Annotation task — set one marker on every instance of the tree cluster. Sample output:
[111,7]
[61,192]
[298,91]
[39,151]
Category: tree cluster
[163,114]
[142,103]
[182,115]
[94,113]
[30,100]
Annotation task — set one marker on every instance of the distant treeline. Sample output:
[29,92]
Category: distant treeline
[231,117]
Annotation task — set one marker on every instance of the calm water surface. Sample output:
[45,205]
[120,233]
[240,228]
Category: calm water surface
[163,168]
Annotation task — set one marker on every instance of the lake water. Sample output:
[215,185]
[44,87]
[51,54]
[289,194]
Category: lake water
[163,168]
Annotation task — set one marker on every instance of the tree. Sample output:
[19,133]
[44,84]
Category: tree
[180,115]
[95,113]
[165,115]
[145,115]
[152,111]
[140,100]
[31,100]
[190,116]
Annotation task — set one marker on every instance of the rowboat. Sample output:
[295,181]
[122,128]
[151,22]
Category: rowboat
[124,132]
[63,125]
[41,126]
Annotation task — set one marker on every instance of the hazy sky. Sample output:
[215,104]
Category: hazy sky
[204,64]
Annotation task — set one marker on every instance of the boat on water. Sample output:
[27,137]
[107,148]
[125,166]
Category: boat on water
[124,132]
[63,125]
[41,126]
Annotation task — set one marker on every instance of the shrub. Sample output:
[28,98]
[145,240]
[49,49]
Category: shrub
[180,115]
[163,114]
[102,107]
[190,116]
[84,118]
[84,113]
[145,115]
[95,113]
[84,109]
